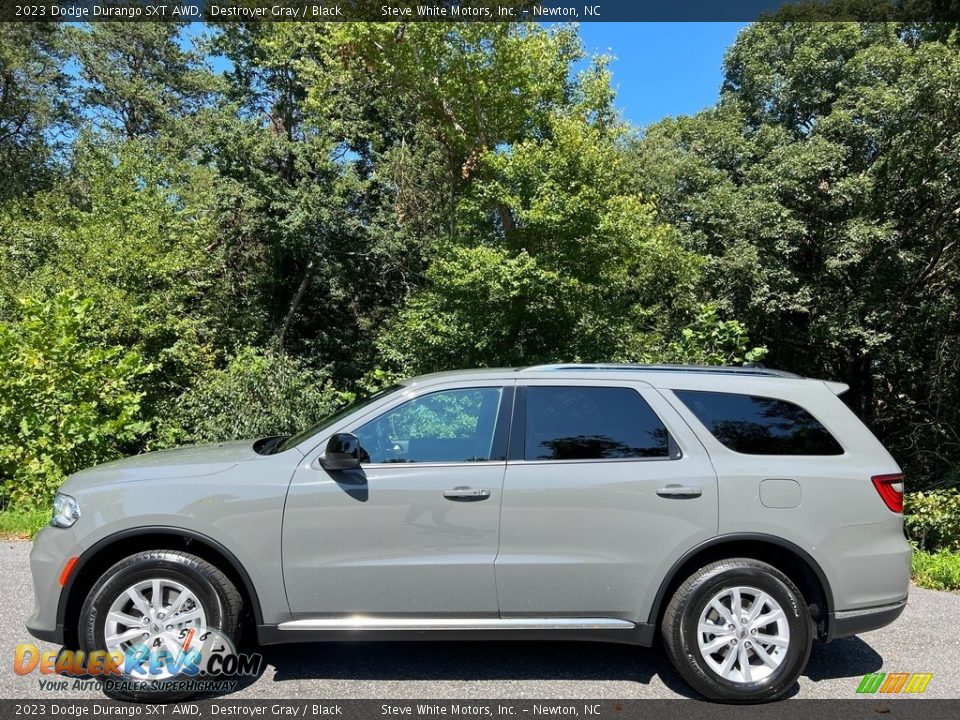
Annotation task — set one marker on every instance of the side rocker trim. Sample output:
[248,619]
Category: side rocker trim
[642,634]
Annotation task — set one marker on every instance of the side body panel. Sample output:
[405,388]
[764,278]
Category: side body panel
[384,540]
[241,508]
[593,538]
[826,505]
[388,542]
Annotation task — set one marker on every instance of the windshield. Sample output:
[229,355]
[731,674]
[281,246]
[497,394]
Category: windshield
[295,440]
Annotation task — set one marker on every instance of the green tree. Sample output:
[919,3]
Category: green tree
[278,395]
[130,232]
[139,79]
[585,271]
[506,167]
[822,189]
[417,103]
[710,340]
[313,254]
[66,400]
[33,88]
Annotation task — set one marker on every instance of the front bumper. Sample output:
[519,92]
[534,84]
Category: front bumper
[853,622]
[35,628]
[52,548]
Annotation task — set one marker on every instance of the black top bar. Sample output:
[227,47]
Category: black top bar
[472,10]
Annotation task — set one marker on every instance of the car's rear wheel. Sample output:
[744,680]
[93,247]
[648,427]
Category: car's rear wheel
[738,630]
[154,608]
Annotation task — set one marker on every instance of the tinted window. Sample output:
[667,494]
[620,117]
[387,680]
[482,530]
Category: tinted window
[759,425]
[448,426]
[589,423]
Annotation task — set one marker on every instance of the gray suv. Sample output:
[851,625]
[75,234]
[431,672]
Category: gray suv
[739,513]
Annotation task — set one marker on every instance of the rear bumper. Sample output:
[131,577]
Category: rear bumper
[868,569]
[853,622]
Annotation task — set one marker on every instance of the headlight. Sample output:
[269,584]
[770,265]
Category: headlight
[66,511]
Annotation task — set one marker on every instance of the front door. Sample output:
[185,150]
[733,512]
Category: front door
[606,487]
[414,532]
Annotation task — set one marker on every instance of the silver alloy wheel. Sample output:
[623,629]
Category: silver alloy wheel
[743,634]
[158,613]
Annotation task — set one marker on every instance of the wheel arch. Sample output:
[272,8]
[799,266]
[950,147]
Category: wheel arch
[792,560]
[109,550]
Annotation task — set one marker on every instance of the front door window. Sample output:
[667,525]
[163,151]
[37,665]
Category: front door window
[451,426]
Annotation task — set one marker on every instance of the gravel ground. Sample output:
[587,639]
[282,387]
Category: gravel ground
[926,638]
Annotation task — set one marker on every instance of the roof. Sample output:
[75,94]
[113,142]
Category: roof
[650,373]
[755,371]
[739,379]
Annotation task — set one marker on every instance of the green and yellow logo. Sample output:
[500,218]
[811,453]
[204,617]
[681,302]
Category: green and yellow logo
[914,683]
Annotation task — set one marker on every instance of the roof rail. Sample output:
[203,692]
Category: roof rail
[705,369]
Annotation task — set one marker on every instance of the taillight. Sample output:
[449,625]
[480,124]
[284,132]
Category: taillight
[890,488]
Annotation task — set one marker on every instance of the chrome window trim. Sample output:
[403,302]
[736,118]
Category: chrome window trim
[465,463]
[590,461]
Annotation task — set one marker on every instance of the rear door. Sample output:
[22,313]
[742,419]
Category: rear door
[606,486]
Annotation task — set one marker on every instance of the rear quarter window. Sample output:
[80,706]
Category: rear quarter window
[756,425]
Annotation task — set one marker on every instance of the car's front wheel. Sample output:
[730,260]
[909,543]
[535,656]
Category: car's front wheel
[154,608]
[738,630]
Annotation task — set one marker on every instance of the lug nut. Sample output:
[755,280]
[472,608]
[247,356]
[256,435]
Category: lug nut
[145,620]
[753,632]
[747,644]
[731,626]
[733,642]
[743,621]
[162,613]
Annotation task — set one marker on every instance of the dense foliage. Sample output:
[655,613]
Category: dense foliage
[933,521]
[67,399]
[823,190]
[278,394]
[190,254]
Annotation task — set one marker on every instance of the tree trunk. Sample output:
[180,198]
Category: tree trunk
[297,299]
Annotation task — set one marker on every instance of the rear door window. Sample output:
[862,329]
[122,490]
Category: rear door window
[591,423]
[756,425]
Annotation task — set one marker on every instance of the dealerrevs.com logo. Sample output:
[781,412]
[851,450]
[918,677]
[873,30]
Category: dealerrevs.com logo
[891,683]
[197,660]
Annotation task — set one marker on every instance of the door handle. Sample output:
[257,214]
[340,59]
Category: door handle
[466,493]
[679,491]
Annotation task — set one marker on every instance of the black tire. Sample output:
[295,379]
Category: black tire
[219,598]
[680,630]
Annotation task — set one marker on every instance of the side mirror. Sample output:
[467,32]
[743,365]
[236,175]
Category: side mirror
[342,453]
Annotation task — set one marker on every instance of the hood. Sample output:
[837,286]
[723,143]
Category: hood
[185,462]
